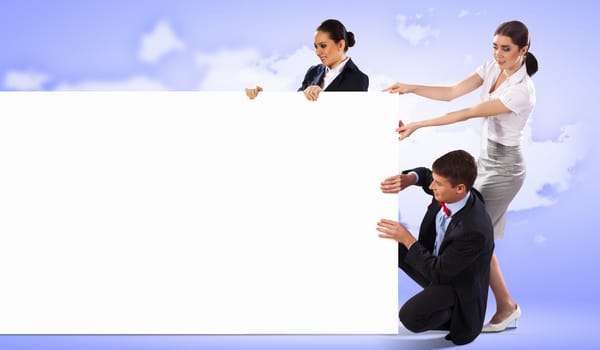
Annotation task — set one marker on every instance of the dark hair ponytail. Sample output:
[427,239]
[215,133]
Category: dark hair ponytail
[337,32]
[519,34]
[531,63]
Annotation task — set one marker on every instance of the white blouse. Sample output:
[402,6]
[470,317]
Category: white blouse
[517,93]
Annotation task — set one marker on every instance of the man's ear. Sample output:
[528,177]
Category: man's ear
[461,188]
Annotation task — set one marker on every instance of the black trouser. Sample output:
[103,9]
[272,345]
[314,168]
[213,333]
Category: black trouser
[429,309]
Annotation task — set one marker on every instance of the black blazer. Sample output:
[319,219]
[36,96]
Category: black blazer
[463,260]
[349,79]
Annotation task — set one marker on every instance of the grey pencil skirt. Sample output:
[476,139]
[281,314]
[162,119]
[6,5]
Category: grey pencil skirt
[500,175]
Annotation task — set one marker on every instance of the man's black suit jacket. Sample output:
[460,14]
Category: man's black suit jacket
[349,79]
[463,260]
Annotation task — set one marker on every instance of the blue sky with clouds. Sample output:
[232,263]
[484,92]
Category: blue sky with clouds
[550,244]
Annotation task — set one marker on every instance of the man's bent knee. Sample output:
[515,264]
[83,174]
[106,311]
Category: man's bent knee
[409,318]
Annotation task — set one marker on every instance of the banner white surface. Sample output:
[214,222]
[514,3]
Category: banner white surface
[196,213]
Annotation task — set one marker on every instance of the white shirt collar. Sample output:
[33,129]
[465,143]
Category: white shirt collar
[518,75]
[337,69]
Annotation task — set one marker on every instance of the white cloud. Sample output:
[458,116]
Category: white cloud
[413,32]
[158,43]
[238,69]
[136,83]
[539,239]
[25,80]
[463,13]
[550,167]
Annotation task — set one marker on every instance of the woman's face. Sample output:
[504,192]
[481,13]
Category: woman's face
[508,55]
[330,53]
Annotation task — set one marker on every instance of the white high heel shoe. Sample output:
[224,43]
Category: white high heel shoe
[499,327]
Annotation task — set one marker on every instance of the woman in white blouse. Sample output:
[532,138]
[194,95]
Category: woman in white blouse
[507,101]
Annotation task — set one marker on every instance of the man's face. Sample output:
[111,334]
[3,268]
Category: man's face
[443,189]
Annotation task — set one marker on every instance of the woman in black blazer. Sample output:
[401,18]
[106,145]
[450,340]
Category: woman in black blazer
[337,72]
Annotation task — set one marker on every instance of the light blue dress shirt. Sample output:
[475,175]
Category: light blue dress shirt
[442,221]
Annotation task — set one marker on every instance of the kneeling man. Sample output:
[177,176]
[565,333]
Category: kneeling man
[451,257]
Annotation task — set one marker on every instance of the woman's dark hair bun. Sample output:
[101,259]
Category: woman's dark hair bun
[351,41]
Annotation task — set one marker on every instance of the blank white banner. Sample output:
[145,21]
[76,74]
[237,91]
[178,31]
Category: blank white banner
[196,213]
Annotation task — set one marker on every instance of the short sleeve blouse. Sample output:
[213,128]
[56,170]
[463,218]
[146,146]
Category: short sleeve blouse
[517,93]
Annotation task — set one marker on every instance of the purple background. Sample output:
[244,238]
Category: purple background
[549,253]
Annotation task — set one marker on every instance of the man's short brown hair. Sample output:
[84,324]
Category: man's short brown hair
[459,167]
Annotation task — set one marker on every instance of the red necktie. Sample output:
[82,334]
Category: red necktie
[445,208]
